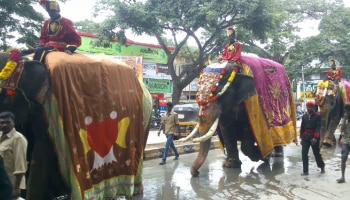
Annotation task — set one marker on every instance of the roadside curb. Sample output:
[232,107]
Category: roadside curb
[154,151]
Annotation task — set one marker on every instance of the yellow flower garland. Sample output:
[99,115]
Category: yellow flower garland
[232,76]
[7,71]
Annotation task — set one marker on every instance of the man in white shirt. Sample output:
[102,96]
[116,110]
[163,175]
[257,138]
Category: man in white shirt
[13,149]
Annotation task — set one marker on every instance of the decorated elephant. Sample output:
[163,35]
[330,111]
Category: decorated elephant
[331,99]
[255,106]
[86,119]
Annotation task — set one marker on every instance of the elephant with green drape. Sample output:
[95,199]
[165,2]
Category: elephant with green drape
[255,107]
[86,119]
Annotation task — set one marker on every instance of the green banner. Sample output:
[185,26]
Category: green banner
[158,85]
[153,54]
[309,87]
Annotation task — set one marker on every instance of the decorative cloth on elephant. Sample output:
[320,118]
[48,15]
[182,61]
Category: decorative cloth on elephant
[98,104]
[327,87]
[344,89]
[274,118]
[11,73]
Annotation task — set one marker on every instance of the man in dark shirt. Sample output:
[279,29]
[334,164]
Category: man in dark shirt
[5,183]
[309,135]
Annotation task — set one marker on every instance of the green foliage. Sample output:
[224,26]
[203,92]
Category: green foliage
[18,17]
[203,22]
[264,27]
[331,42]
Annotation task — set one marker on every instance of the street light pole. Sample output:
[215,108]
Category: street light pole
[303,81]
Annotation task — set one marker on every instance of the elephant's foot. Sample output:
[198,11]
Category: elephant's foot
[278,152]
[275,154]
[232,163]
[266,160]
[194,172]
[138,189]
[328,143]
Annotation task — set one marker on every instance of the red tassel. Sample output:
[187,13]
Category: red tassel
[42,1]
[15,55]
[10,92]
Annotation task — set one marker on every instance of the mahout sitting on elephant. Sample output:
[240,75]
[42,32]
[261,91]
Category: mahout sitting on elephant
[86,120]
[255,106]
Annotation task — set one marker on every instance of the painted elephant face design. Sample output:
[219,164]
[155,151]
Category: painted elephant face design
[101,135]
[97,134]
[213,82]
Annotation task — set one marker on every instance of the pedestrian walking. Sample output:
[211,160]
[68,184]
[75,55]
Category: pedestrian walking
[309,135]
[345,138]
[169,125]
[13,149]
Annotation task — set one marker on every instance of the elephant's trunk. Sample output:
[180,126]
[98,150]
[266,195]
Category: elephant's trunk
[206,128]
[201,157]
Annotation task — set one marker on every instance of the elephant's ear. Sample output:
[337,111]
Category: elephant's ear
[241,89]
[35,81]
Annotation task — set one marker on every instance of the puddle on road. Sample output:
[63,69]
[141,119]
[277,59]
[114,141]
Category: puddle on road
[278,180]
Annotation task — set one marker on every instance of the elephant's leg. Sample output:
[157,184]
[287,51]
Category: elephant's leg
[38,184]
[230,137]
[329,139]
[44,180]
[248,145]
[138,189]
[278,151]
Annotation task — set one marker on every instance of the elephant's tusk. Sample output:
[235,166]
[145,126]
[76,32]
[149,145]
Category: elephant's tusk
[209,134]
[191,135]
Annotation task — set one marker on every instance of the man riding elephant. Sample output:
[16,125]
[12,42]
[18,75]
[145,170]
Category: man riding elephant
[57,34]
[335,74]
[232,51]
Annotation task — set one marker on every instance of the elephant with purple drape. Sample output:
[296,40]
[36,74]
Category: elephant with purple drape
[255,107]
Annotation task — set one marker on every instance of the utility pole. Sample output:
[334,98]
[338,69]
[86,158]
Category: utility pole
[303,82]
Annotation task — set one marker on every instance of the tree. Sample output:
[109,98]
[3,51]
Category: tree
[202,21]
[264,26]
[18,17]
[315,52]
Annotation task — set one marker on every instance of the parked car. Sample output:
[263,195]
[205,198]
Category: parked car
[187,114]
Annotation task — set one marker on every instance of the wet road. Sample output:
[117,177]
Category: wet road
[279,180]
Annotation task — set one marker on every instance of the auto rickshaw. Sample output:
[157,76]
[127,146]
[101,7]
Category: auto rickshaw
[187,115]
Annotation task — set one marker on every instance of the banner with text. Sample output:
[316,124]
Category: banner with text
[149,53]
[158,85]
[309,89]
[135,62]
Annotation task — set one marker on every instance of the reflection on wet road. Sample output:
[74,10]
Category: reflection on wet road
[279,180]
